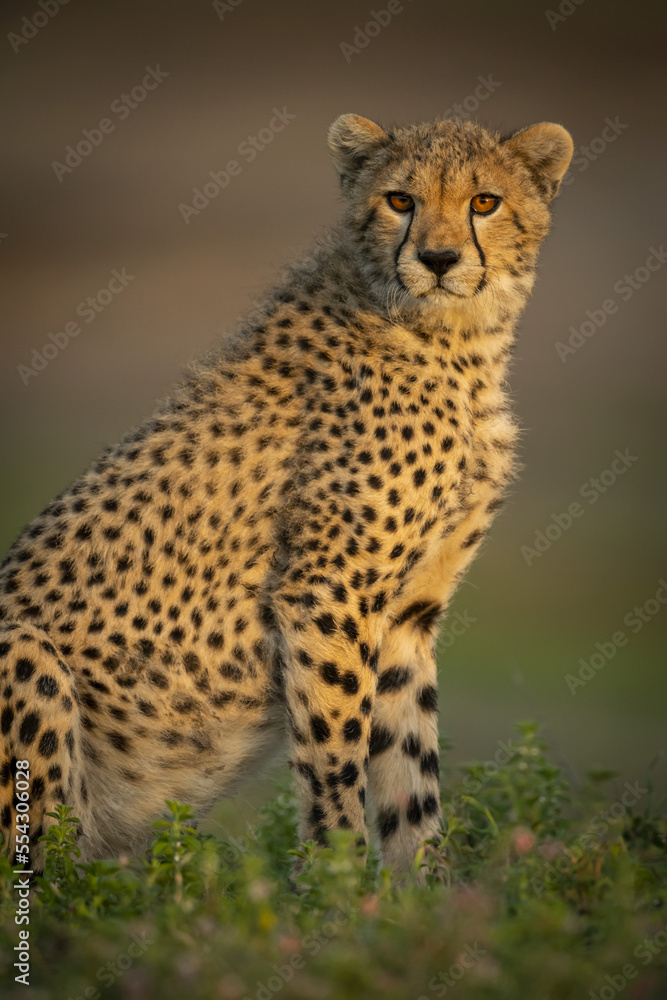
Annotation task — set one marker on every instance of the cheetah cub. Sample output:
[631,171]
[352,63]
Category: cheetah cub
[265,560]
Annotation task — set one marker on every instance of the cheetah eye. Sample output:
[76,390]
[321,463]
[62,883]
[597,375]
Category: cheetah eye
[484,203]
[400,201]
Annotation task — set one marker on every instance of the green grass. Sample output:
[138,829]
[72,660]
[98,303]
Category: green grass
[532,891]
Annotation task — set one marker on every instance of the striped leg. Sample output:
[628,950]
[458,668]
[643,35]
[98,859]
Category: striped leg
[404,757]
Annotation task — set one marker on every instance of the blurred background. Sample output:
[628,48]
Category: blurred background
[525,624]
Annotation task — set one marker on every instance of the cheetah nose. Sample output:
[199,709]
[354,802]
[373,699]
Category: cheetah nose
[439,261]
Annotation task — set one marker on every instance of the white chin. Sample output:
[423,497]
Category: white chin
[443,293]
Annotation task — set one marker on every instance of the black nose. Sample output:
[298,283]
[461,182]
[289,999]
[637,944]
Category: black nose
[439,261]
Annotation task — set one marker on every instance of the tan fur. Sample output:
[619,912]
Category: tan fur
[264,561]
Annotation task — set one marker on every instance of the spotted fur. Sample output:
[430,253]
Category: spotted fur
[265,561]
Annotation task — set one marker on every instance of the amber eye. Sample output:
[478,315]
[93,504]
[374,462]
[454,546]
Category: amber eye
[399,201]
[484,203]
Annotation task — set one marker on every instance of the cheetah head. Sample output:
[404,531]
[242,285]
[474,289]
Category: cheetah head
[447,213]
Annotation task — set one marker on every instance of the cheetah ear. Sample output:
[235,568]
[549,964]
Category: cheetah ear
[546,149]
[352,140]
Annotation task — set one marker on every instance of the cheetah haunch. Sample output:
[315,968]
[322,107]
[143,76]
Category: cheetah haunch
[265,561]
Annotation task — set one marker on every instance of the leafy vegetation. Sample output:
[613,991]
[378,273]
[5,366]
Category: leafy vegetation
[532,891]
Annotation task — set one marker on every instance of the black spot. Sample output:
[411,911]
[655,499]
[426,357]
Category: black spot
[414,811]
[349,773]
[326,624]
[48,744]
[349,627]
[387,822]
[317,813]
[320,729]
[352,731]
[472,538]
[24,669]
[29,728]
[158,679]
[329,672]
[171,738]
[379,602]
[427,698]
[430,763]
[47,686]
[393,679]
[349,682]
[191,663]
[307,772]
[231,671]
[37,790]
[430,805]
[425,614]
[6,719]
[381,740]
[411,745]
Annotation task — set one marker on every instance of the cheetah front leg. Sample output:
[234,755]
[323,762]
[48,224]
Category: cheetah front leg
[404,756]
[330,682]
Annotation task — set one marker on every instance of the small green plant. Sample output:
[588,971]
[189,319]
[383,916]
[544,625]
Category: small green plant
[181,865]
[532,889]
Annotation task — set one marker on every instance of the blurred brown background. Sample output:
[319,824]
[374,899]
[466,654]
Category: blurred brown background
[229,65]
